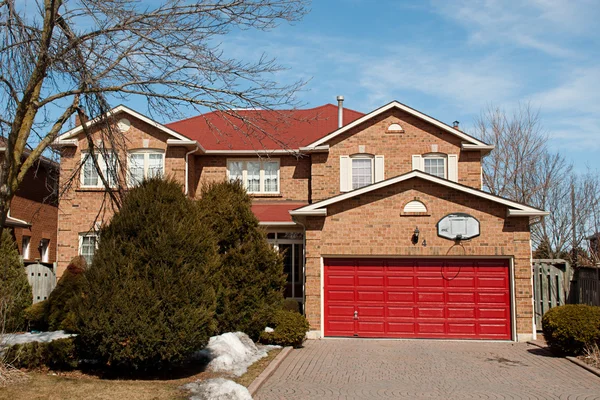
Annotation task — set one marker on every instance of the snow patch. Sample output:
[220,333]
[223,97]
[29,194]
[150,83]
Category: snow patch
[217,389]
[19,338]
[232,353]
[269,330]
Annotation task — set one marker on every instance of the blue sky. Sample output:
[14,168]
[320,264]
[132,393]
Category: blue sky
[449,59]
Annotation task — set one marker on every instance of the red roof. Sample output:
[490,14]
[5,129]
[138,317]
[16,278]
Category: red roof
[262,129]
[275,212]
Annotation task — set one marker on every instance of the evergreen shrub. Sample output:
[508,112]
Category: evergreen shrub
[15,291]
[290,329]
[569,329]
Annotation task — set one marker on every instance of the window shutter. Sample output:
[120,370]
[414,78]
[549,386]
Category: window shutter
[379,171]
[417,162]
[345,169]
[453,167]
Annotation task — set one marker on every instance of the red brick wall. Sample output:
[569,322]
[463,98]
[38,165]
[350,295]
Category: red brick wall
[35,203]
[80,208]
[372,224]
[397,148]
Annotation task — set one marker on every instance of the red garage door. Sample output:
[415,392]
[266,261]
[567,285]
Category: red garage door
[419,298]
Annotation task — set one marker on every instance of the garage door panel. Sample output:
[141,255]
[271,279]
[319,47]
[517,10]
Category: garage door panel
[401,297]
[417,298]
[401,312]
[430,297]
[365,311]
[460,297]
[341,295]
[400,281]
[367,280]
[430,312]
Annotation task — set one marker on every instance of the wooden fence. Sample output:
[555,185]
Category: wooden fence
[551,285]
[42,280]
[586,286]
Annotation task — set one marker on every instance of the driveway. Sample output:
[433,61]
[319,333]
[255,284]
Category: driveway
[426,369]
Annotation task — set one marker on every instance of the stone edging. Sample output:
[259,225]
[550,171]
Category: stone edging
[267,372]
[574,360]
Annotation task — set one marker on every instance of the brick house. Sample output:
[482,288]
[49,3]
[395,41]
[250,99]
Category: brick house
[33,214]
[381,217]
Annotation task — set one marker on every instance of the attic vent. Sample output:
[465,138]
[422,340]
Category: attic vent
[124,124]
[395,128]
[415,206]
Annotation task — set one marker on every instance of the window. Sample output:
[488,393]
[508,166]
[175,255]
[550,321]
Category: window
[26,244]
[145,165]
[257,176]
[44,250]
[362,172]
[88,242]
[89,173]
[291,245]
[435,166]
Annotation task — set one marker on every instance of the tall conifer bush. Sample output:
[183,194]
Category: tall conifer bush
[149,299]
[15,291]
[251,279]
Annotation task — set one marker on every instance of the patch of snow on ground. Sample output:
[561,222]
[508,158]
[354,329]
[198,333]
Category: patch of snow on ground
[19,338]
[232,353]
[217,389]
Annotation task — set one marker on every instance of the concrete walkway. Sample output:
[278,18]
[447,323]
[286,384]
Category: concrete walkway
[426,369]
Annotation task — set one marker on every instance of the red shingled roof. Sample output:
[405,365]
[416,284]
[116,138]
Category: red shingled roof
[275,212]
[261,129]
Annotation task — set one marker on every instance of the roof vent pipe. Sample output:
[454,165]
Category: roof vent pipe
[340,100]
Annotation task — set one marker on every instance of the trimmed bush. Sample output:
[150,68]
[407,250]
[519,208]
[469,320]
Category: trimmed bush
[289,329]
[291,305]
[570,328]
[37,316]
[59,354]
[15,291]
[63,300]
[148,296]
[251,279]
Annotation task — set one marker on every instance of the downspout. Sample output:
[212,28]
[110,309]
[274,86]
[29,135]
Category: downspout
[187,168]
[303,264]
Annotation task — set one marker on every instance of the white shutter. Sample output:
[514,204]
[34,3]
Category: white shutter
[379,172]
[345,169]
[453,167]
[417,162]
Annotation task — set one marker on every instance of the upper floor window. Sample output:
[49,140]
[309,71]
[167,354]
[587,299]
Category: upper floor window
[435,165]
[362,171]
[108,167]
[45,250]
[145,164]
[25,245]
[257,176]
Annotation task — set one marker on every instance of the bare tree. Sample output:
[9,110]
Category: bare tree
[60,58]
[522,168]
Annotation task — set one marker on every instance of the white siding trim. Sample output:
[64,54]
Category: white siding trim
[379,168]
[345,174]
[453,167]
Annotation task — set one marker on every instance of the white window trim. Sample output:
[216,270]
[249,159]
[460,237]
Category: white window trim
[275,242]
[146,153]
[87,234]
[261,189]
[361,156]
[26,246]
[437,156]
[100,158]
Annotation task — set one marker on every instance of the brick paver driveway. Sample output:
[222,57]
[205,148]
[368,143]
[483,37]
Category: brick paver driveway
[426,369]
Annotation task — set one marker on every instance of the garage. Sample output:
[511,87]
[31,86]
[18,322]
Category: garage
[417,298]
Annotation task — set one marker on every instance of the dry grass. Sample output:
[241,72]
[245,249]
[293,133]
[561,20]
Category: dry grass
[78,385]
[255,369]
[592,356]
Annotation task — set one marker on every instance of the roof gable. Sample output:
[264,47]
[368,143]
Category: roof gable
[65,137]
[514,209]
[470,143]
